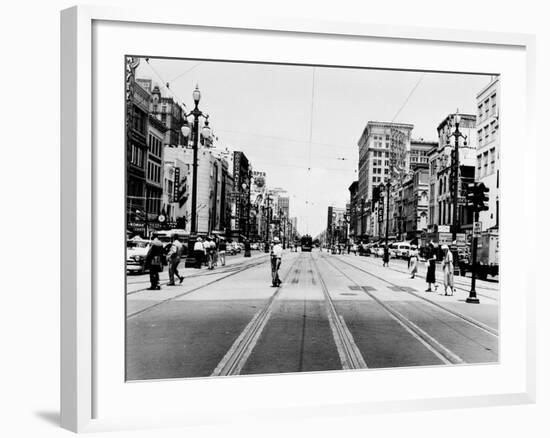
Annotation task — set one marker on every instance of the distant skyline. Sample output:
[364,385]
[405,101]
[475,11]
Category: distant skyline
[301,124]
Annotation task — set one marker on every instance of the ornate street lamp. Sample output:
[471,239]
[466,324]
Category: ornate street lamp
[455,177]
[206,133]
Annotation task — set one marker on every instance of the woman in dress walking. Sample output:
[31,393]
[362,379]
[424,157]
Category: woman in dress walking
[413,262]
[448,270]
[430,272]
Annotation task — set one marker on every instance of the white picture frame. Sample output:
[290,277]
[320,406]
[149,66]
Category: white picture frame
[83,369]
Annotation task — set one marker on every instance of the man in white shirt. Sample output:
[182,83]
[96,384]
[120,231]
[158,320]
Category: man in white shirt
[198,251]
[276,256]
[174,257]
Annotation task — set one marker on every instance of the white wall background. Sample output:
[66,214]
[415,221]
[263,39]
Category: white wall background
[29,219]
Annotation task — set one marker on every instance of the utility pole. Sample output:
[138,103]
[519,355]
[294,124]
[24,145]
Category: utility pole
[472,297]
[387,214]
[455,173]
[146,220]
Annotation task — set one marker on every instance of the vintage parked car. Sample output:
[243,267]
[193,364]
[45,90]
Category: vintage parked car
[136,251]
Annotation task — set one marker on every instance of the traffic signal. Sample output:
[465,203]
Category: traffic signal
[476,196]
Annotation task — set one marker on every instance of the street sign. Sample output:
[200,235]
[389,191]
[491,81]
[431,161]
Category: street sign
[445,238]
[444,228]
[161,218]
[477,228]
[461,239]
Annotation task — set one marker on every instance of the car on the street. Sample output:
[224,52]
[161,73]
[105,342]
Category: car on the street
[233,248]
[136,252]
[165,236]
[378,251]
[400,250]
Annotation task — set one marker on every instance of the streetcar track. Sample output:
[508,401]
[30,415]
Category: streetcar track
[231,269]
[349,353]
[459,315]
[425,311]
[236,357]
[439,350]
[193,290]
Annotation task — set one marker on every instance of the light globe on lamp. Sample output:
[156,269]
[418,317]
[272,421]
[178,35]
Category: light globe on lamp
[185,129]
[206,130]
[197,95]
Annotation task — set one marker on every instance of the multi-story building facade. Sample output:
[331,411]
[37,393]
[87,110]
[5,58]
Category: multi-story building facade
[383,148]
[170,113]
[242,177]
[420,149]
[213,188]
[488,150]
[415,203]
[283,206]
[136,160]
[155,168]
[440,205]
[336,225]
[294,227]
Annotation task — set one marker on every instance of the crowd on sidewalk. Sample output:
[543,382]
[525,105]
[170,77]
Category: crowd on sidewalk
[210,251]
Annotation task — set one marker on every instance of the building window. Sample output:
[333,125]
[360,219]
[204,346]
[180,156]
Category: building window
[492,166]
[480,111]
[479,166]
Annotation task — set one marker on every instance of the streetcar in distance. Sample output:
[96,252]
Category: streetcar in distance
[307,243]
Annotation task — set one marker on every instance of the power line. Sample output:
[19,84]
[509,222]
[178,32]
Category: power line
[186,71]
[408,97]
[164,84]
[273,137]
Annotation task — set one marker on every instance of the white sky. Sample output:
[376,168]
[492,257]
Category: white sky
[266,111]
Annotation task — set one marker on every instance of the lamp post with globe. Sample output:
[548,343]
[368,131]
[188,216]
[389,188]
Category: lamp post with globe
[206,134]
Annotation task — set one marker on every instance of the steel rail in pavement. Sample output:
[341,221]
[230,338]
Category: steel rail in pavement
[456,314]
[349,353]
[244,268]
[443,353]
[221,270]
[236,357]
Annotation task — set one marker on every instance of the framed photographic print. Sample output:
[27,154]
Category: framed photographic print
[258,208]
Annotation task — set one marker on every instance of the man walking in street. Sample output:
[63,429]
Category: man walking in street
[209,247]
[174,257]
[386,256]
[276,256]
[198,251]
[154,262]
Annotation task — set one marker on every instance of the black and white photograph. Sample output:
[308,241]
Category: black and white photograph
[287,218]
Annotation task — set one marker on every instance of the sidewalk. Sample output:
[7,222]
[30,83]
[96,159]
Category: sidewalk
[138,282]
[397,271]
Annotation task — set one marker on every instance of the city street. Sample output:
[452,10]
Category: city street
[331,312]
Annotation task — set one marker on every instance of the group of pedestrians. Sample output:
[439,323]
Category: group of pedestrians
[158,256]
[209,252]
[431,258]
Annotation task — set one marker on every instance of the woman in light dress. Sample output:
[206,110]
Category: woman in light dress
[413,262]
[448,269]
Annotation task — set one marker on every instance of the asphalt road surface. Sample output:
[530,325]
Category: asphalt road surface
[332,312]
